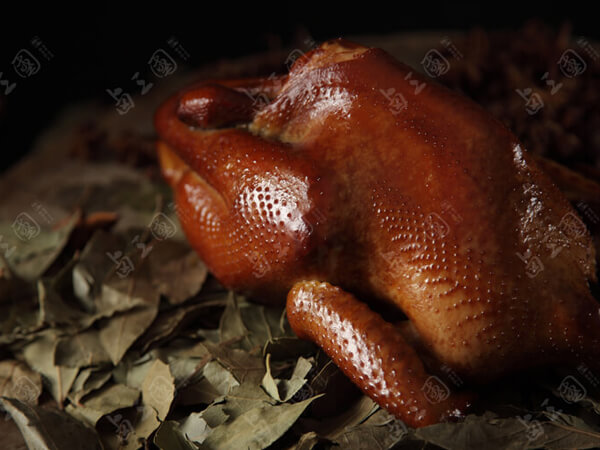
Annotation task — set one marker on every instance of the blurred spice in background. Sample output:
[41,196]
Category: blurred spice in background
[537,60]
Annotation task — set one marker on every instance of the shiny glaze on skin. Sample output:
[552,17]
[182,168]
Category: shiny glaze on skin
[324,191]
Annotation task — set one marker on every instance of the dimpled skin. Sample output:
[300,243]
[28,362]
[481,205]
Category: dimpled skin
[353,178]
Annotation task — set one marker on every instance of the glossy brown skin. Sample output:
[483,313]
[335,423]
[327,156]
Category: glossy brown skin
[328,183]
[371,351]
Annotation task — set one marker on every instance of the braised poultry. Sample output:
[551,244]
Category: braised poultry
[353,181]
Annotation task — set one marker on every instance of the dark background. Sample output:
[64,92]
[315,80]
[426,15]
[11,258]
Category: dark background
[101,49]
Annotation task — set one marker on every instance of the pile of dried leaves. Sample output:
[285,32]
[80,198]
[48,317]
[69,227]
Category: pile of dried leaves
[111,322]
[113,335]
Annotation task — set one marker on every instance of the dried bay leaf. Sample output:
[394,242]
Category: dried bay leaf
[87,381]
[168,322]
[97,271]
[213,416]
[19,307]
[219,377]
[121,331]
[158,393]
[591,404]
[256,324]
[118,298]
[307,441]
[132,371]
[19,319]
[334,427]
[127,304]
[243,398]
[199,392]
[83,285]
[170,437]
[588,402]
[50,429]
[231,325]
[191,431]
[18,381]
[381,430]
[196,428]
[567,431]
[39,355]
[35,248]
[53,310]
[211,381]
[103,402]
[205,334]
[491,432]
[186,359]
[269,384]
[187,370]
[178,273]
[283,390]
[81,350]
[243,365]
[256,428]
[263,324]
[79,383]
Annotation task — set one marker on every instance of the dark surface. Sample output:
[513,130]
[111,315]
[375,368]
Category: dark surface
[105,49]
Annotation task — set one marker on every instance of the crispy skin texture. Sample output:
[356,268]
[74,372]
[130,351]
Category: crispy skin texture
[358,172]
[372,353]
